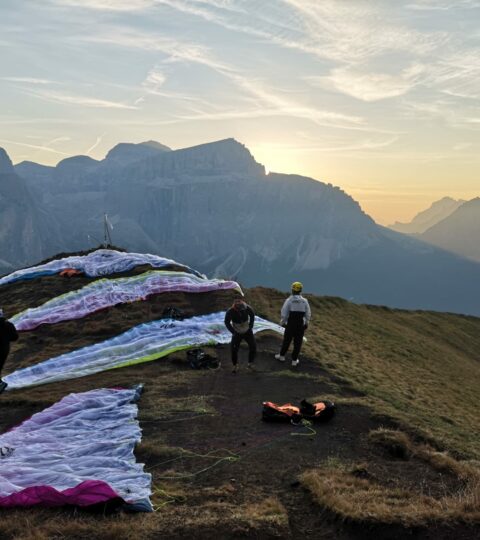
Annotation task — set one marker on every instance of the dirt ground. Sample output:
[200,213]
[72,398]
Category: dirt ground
[215,463]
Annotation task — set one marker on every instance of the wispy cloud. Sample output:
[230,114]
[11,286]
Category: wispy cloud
[368,86]
[83,101]
[457,74]
[349,31]
[19,121]
[95,144]
[57,140]
[320,117]
[439,5]
[154,81]
[353,31]
[264,97]
[361,145]
[28,80]
[107,5]
[175,50]
[34,146]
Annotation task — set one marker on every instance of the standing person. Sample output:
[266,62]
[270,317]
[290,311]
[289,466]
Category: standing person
[295,317]
[8,333]
[239,320]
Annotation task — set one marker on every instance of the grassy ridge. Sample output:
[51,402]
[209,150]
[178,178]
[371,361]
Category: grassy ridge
[422,368]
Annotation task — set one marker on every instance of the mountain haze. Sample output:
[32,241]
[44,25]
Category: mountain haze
[438,211]
[459,232]
[214,206]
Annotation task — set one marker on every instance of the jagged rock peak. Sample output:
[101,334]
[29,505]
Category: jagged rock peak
[6,166]
[229,145]
[125,153]
[77,162]
[155,145]
[227,154]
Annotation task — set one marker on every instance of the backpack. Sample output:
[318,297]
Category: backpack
[322,411]
[272,412]
[199,359]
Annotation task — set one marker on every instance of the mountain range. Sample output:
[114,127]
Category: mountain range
[426,219]
[459,232]
[214,207]
[449,224]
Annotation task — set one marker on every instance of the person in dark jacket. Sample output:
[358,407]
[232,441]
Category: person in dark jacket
[8,333]
[239,320]
[295,317]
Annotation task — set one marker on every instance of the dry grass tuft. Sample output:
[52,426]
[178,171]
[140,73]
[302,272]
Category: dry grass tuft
[396,443]
[362,500]
[400,445]
[269,510]
[441,461]
[350,492]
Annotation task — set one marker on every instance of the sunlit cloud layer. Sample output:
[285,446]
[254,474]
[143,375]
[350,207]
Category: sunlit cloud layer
[355,92]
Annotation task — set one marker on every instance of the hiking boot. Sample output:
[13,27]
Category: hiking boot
[280,357]
[234,369]
[295,363]
[250,366]
[3,385]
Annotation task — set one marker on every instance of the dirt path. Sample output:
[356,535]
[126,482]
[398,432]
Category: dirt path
[271,456]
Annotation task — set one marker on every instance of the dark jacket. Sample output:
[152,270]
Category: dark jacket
[239,321]
[8,333]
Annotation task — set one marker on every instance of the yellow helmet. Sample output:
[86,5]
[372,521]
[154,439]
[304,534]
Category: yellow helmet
[297,287]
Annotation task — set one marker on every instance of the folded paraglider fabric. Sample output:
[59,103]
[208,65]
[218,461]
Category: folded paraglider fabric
[102,262]
[142,343]
[79,452]
[106,293]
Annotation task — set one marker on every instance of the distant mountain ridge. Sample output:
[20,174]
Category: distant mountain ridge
[214,207]
[459,232]
[438,211]
[126,153]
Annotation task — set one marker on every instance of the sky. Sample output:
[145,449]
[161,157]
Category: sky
[378,97]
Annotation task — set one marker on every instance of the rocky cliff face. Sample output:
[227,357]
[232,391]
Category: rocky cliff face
[213,207]
[25,229]
[6,166]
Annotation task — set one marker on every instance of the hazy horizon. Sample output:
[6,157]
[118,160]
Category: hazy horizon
[379,100]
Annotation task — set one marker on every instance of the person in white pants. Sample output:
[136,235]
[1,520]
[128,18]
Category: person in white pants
[295,318]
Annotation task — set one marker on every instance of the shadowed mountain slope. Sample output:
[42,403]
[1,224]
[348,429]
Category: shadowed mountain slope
[213,206]
[459,232]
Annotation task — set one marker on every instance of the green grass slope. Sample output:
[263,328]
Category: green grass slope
[422,368]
